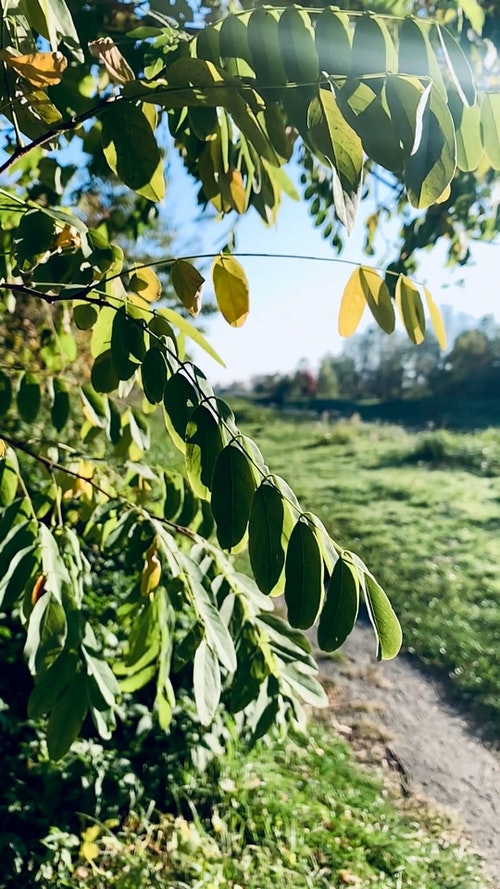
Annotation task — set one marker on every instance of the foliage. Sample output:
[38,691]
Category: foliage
[306,816]
[433,540]
[90,340]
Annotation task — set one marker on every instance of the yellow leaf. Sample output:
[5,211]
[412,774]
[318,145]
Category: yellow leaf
[378,298]
[39,68]
[187,283]
[151,574]
[436,319]
[106,51]
[145,283]
[231,289]
[352,305]
[89,848]
[232,187]
[68,237]
[409,303]
[3,449]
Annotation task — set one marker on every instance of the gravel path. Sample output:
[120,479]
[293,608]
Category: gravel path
[423,738]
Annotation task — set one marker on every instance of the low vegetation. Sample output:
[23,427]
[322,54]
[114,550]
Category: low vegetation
[282,815]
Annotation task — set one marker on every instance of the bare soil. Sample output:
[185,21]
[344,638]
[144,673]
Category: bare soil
[396,716]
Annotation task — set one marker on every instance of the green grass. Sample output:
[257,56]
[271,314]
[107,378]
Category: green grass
[284,815]
[423,510]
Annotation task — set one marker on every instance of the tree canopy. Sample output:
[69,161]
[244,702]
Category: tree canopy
[91,349]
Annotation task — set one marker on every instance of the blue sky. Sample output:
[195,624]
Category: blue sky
[294,304]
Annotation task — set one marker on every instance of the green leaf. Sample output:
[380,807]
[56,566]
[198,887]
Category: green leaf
[5,393]
[403,95]
[341,607]
[145,282]
[490,128]
[120,351]
[298,50]
[46,635]
[103,677]
[373,51]
[14,535]
[180,397]
[34,236]
[84,314]
[383,619]
[231,289]
[174,494]
[29,398]
[53,564]
[101,334]
[131,150]
[234,43]
[270,525]
[432,163]
[204,441]
[52,19]
[59,412]
[470,148]
[303,575]
[190,506]
[9,478]
[265,49]
[416,55]
[95,408]
[190,331]
[206,682]
[333,42]
[19,571]
[154,375]
[217,634]
[325,543]
[305,685]
[409,303]
[458,66]
[475,13]
[233,487]
[187,283]
[340,146]
[51,684]
[366,112]
[138,680]
[103,376]
[67,717]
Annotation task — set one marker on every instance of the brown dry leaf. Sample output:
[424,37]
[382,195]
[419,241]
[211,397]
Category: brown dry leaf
[39,68]
[106,51]
[68,237]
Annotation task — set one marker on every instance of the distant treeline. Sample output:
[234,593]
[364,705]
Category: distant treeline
[373,366]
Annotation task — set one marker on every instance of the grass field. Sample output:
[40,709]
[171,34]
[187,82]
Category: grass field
[423,510]
[285,815]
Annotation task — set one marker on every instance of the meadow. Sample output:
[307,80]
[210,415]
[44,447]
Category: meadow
[422,510]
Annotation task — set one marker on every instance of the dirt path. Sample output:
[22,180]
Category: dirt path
[416,733]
